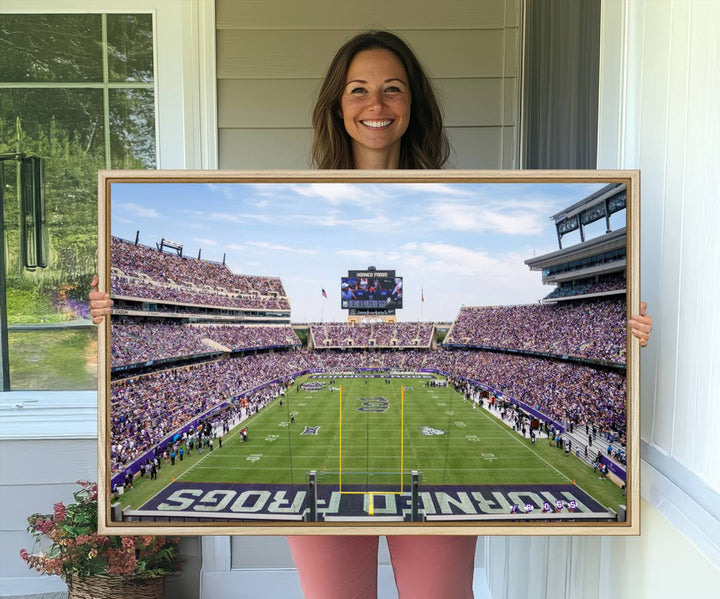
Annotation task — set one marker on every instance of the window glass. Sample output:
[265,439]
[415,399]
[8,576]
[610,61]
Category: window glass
[58,102]
[37,48]
[132,128]
[128,38]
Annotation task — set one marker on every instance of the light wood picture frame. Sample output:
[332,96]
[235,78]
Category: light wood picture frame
[494,390]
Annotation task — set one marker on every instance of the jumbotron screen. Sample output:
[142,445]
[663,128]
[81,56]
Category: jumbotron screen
[373,291]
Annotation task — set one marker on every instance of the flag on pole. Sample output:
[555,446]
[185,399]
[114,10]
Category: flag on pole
[422,295]
[324,294]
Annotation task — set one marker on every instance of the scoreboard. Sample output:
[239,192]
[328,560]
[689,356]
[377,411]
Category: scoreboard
[371,292]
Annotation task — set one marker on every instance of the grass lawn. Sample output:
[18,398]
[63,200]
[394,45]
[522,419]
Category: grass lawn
[378,443]
[56,359]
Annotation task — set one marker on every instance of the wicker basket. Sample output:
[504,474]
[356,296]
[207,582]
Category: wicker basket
[116,587]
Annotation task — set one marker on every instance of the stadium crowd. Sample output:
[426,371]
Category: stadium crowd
[132,343]
[586,328]
[146,409]
[613,282]
[143,272]
[398,334]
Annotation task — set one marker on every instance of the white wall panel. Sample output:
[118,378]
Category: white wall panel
[265,148]
[475,147]
[288,103]
[660,84]
[400,14]
[698,408]
[652,117]
[306,53]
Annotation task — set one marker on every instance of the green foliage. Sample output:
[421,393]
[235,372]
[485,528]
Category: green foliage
[26,303]
[66,127]
[77,550]
[302,335]
[53,358]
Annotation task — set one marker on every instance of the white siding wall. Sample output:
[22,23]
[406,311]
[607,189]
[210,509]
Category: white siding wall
[272,56]
[660,81]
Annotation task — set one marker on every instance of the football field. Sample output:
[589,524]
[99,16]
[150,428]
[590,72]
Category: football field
[366,434]
[383,430]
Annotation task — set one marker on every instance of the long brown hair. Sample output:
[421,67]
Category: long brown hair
[424,144]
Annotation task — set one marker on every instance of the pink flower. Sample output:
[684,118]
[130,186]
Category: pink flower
[59,512]
[44,526]
[121,562]
[128,543]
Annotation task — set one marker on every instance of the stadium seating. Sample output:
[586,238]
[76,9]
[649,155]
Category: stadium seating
[593,329]
[136,342]
[146,409]
[398,334]
[613,282]
[144,273]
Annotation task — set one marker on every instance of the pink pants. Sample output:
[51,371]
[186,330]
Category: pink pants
[345,567]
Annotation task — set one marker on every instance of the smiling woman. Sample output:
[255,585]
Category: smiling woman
[364,104]
[375,108]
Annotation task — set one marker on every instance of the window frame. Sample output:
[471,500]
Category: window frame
[186,138]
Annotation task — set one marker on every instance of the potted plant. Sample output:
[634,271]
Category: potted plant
[95,566]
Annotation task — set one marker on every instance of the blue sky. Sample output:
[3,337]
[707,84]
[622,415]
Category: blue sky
[461,243]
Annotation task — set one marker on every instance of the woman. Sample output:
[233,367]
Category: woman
[377,110]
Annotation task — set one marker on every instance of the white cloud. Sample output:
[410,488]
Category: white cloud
[140,211]
[505,219]
[231,217]
[280,248]
[365,254]
[226,190]
[206,241]
[337,194]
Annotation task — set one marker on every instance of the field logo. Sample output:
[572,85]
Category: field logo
[429,431]
[373,404]
[310,430]
[272,438]
[254,457]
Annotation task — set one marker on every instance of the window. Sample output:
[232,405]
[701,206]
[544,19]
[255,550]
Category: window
[77,90]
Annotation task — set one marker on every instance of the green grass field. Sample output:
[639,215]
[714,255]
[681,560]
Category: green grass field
[372,448]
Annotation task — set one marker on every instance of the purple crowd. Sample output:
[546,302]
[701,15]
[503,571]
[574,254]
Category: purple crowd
[132,343]
[145,273]
[397,334]
[146,409]
[613,282]
[584,328]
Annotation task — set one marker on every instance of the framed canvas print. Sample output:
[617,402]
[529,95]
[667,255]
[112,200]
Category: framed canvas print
[369,352]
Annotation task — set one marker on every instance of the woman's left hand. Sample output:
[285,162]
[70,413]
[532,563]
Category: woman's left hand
[641,325]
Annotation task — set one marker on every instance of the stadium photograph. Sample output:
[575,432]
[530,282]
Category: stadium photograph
[349,353]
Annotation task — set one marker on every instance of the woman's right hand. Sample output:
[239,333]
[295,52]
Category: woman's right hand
[100,302]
